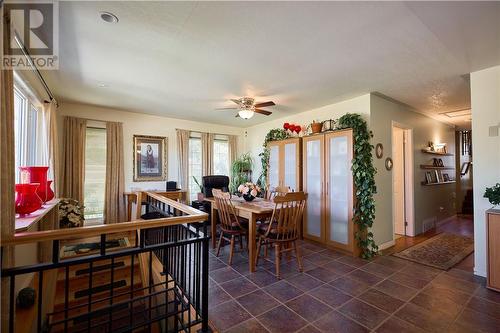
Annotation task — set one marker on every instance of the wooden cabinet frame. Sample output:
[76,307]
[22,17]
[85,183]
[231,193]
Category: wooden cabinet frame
[326,210]
[298,158]
[305,140]
[493,249]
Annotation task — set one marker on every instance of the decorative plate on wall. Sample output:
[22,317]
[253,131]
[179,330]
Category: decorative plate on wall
[388,164]
[379,150]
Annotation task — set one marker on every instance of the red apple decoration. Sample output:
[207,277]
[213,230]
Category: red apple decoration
[297,129]
[286,126]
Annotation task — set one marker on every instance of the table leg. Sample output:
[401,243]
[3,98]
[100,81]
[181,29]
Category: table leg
[252,251]
[213,225]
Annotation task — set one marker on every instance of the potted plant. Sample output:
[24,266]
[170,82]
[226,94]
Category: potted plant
[241,171]
[200,195]
[316,127]
[249,191]
[493,194]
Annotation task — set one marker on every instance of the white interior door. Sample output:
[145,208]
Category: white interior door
[274,166]
[313,186]
[291,166]
[398,179]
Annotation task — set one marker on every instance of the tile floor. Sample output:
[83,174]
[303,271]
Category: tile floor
[337,293]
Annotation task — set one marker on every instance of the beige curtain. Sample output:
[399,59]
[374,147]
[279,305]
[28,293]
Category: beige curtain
[50,127]
[7,165]
[73,170]
[114,202]
[207,154]
[233,149]
[183,158]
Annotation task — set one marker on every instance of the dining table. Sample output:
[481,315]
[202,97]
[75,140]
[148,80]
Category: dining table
[256,210]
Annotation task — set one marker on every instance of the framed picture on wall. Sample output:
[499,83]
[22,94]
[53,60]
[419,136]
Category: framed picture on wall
[150,158]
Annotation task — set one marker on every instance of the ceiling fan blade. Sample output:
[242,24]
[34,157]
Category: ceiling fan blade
[237,101]
[264,112]
[234,108]
[263,104]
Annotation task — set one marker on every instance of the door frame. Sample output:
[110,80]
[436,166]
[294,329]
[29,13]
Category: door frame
[409,183]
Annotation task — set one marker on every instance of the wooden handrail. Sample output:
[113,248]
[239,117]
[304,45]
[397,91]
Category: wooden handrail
[96,230]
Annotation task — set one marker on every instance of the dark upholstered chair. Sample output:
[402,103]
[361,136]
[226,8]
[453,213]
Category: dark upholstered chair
[217,181]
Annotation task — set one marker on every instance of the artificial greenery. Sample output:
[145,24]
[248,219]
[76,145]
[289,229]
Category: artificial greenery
[273,135]
[493,194]
[241,171]
[364,180]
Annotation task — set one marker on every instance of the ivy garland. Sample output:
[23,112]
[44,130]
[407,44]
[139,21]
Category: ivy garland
[364,180]
[273,135]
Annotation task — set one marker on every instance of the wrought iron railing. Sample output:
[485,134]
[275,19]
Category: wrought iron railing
[159,283]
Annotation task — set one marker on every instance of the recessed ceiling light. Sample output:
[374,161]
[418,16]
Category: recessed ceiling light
[102,85]
[109,17]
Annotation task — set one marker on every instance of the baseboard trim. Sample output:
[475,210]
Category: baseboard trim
[386,245]
[479,273]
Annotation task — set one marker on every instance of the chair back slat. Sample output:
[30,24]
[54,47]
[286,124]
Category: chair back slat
[287,214]
[273,192]
[225,208]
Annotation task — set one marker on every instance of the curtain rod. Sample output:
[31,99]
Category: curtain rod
[35,69]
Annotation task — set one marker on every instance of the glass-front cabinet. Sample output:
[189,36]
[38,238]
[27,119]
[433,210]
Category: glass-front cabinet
[328,181]
[313,169]
[285,164]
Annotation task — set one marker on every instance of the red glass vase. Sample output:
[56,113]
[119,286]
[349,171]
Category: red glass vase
[50,193]
[27,201]
[38,174]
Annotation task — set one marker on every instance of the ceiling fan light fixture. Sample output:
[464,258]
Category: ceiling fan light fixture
[246,114]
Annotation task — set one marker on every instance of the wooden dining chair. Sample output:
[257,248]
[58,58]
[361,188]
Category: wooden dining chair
[283,229]
[278,190]
[231,225]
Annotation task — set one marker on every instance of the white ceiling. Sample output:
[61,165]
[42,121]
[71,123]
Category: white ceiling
[183,59]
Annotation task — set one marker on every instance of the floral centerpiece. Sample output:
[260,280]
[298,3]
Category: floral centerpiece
[70,213]
[249,191]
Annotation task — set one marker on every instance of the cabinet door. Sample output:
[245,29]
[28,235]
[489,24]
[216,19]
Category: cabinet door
[338,194]
[313,173]
[273,172]
[493,237]
[291,165]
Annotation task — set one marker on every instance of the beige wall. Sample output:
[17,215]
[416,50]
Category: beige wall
[142,124]
[485,100]
[255,135]
[430,202]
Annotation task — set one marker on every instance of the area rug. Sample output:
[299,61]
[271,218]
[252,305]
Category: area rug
[92,248]
[442,251]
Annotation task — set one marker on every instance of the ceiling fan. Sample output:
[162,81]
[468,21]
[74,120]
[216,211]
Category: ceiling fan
[247,107]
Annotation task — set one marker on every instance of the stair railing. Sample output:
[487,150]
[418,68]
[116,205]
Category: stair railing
[172,252]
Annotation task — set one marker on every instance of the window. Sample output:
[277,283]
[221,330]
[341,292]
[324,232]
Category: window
[95,172]
[195,168]
[221,156]
[27,118]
